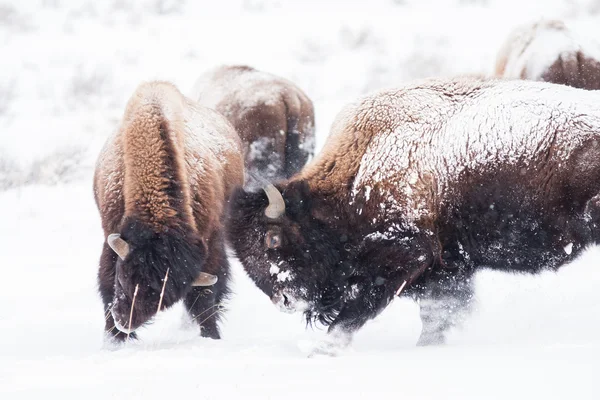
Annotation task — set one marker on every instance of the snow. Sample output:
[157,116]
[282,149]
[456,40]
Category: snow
[274,269]
[68,69]
[284,276]
[569,248]
[259,149]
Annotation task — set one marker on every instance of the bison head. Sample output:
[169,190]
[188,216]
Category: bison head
[153,270]
[290,251]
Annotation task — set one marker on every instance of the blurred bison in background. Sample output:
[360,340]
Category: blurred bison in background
[160,185]
[415,190]
[549,51]
[274,118]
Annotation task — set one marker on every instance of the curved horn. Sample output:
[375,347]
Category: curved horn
[205,279]
[276,206]
[119,246]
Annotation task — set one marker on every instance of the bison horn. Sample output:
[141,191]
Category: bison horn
[205,279]
[118,245]
[276,206]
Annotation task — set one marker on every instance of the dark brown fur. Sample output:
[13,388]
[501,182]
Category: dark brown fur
[574,69]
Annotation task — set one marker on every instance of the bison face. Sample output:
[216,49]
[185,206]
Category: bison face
[136,288]
[289,253]
[153,271]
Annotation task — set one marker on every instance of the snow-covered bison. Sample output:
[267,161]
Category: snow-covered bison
[274,118]
[548,51]
[417,188]
[161,184]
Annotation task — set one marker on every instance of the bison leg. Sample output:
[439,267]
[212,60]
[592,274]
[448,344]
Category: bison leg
[106,284]
[204,309]
[386,265]
[205,304]
[443,305]
[593,212]
[368,300]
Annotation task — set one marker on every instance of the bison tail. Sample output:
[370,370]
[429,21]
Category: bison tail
[293,157]
[298,145]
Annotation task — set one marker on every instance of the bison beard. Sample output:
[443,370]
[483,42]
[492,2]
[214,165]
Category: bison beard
[177,250]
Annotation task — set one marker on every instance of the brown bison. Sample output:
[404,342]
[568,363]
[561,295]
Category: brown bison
[548,51]
[418,188]
[161,183]
[273,117]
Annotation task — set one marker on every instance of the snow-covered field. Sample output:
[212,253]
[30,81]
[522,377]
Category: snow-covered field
[67,70]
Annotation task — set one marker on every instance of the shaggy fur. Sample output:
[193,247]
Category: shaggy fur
[161,182]
[274,118]
[548,51]
[416,189]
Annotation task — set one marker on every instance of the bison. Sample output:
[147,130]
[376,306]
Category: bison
[548,51]
[273,117]
[161,183]
[418,188]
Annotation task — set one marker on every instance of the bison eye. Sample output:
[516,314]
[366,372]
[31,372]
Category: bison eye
[272,240]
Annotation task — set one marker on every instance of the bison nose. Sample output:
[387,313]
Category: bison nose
[283,302]
[121,314]
[287,301]
[280,299]
[124,327]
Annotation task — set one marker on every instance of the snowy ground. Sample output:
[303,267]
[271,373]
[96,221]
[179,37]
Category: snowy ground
[67,71]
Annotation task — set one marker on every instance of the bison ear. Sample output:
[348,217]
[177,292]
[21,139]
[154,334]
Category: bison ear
[297,197]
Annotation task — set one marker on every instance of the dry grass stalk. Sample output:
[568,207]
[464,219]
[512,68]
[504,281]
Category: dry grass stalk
[135,292]
[400,288]
[162,292]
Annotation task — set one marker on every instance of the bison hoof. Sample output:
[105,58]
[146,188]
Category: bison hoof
[431,339]
[331,346]
[327,351]
[115,339]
